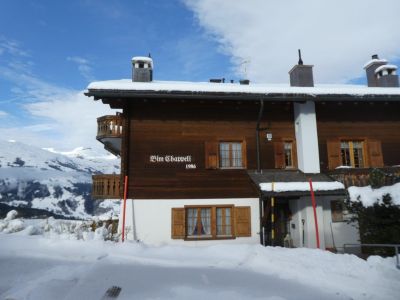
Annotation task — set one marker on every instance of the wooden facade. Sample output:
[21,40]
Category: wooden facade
[195,130]
[376,124]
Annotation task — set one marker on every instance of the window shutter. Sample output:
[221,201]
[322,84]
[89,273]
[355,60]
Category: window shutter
[375,153]
[279,152]
[334,158]
[242,221]
[178,223]
[211,155]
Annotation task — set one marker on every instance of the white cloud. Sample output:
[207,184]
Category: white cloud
[54,116]
[11,47]
[337,36]
[3,114]
[83,66]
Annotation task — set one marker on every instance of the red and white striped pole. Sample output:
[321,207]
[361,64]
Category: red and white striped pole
[124,209]
[314,204]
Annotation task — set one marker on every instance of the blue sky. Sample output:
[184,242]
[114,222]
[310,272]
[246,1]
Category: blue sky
[50,50]
[66,44]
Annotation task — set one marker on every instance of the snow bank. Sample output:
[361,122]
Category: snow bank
[64,229]
[301,186]
[368,196]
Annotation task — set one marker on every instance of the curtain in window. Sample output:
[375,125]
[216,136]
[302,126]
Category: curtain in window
[192,221]
[206,220]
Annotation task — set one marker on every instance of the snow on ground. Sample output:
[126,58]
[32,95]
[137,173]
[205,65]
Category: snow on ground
[58,267]
[368,196]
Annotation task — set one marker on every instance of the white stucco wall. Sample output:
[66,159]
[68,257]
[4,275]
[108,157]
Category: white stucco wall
[153,219]
[306,137]
[340,233]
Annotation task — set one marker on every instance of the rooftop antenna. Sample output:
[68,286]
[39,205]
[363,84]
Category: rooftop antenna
[245,63]
[149,55]
[300,60]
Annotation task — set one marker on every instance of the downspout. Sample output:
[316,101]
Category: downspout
[260,113]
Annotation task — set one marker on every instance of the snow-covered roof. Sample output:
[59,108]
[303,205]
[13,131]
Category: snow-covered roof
[373,61]
[126,85]
[301,186]
[385,67]
[142,58]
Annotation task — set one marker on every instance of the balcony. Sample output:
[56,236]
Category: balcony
[109,132]
[106,186]
[361,176]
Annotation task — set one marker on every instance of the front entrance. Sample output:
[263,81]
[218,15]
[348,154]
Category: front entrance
[275,222]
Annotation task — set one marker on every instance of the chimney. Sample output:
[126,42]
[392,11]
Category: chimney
[371,66]
[301,75]
[386,76]
[142,69]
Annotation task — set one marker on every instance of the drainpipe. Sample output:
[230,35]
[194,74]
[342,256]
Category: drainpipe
[260,113]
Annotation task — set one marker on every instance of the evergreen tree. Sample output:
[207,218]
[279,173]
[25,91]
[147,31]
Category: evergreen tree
[378,224]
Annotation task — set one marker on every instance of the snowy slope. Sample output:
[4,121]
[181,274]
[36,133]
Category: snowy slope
[37,178]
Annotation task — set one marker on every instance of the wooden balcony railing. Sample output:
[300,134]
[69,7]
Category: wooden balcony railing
[106,186]
[109,127]
[361,177]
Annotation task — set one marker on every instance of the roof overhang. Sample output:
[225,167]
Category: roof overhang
[100,94]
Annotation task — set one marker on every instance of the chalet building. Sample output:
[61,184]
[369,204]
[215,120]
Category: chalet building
[218,160]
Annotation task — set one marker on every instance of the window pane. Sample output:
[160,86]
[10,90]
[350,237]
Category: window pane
[288,154]
[224,222]
[224,155]
[236,155]
[191,221]
[345,153]
[206,221]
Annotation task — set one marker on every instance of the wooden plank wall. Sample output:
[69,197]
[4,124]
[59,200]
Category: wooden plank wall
[375,121]
[182,128]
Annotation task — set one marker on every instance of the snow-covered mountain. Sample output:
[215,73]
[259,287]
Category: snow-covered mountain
[57,182]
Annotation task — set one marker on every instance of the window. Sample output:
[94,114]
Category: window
[210,222]
[198,222]
[352,153]
[201,220]
[288,151]
[337,211]
[230,155]
[224,226]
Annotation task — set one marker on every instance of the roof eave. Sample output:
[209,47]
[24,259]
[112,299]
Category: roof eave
[294,97]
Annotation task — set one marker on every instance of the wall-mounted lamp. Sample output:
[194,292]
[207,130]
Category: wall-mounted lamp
[268,136]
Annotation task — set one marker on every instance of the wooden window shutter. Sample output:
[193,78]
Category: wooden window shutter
[211,155]
[242,221]
[334,158]
[375,156]
[279,153]
[178,223]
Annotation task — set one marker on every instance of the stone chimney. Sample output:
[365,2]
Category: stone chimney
[301,75]
[370,68]
[142,69]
